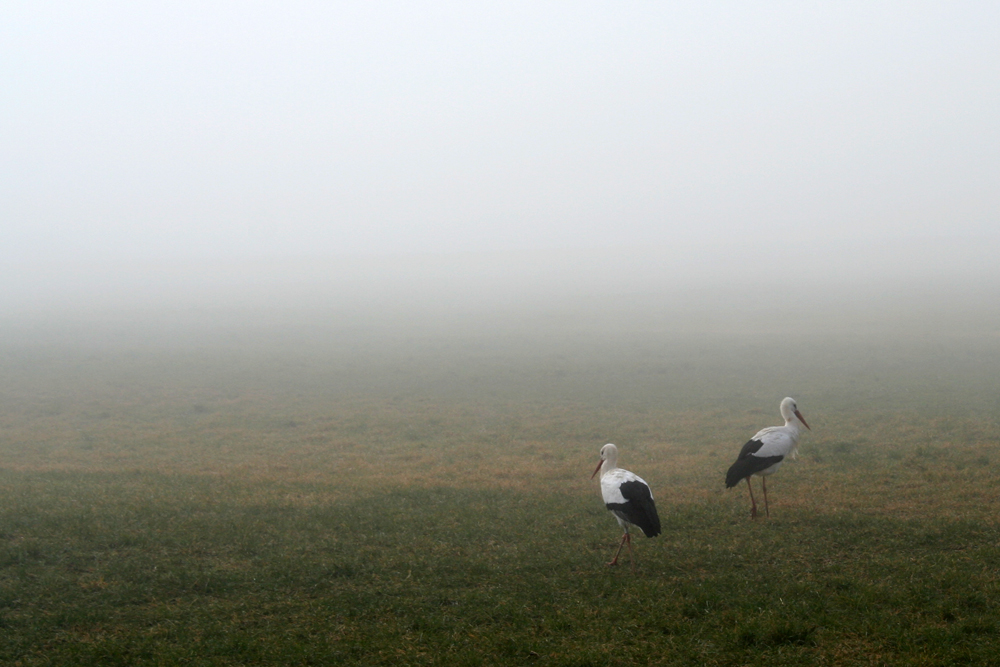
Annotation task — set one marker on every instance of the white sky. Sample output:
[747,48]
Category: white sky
[192,130]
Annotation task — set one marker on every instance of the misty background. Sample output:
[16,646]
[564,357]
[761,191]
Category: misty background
[317,169]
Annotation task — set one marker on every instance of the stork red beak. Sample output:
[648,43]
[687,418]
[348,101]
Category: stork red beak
[801,419]
[597,469]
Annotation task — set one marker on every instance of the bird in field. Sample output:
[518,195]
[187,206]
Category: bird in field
[628,497]
[764,453]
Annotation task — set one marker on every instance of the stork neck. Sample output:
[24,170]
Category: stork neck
[608,465]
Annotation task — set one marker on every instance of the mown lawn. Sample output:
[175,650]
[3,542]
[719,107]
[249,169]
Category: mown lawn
[432,505]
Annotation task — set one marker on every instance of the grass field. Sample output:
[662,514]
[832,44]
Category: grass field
[346,491]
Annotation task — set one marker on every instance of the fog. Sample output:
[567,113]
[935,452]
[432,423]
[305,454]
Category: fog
[440,164]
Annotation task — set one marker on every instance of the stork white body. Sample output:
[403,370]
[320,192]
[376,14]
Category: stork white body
[764,453]
[628,498]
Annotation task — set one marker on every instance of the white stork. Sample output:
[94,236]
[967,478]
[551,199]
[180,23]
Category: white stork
[763,453]
[628,497]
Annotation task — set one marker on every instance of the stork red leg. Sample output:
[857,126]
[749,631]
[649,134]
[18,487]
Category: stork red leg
[626,539]
[614,561]
[631,554]
[763,481]
[753,503]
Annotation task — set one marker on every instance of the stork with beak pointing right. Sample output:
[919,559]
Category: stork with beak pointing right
[764,453]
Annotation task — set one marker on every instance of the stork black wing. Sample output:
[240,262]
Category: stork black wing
[751,447]
[747,464]
[639,508]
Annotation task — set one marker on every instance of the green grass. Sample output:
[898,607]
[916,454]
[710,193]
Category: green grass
[427,501]
[95,571]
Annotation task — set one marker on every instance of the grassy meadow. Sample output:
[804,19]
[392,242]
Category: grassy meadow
[339,489]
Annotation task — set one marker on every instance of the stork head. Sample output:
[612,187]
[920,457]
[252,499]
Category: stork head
[789,410]
[609,453]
